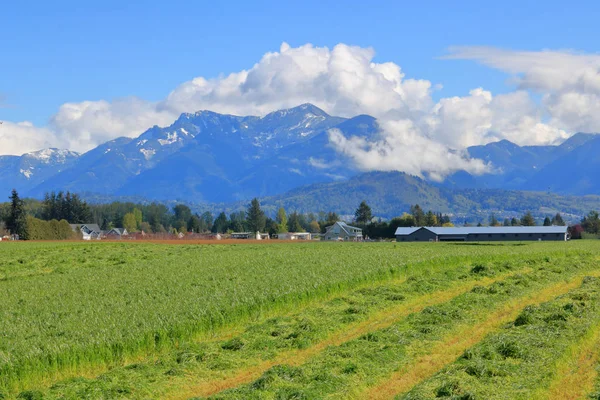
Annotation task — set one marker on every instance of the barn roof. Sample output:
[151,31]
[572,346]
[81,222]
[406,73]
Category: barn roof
[466,230]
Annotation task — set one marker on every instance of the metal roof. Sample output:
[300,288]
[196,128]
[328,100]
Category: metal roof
[406,231]
[466,230]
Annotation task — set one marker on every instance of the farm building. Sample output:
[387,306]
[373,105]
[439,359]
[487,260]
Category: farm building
[295,236]
[342,231]
[250,235]
[481,234]
[116,233]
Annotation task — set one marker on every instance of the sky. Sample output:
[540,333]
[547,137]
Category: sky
[437,74]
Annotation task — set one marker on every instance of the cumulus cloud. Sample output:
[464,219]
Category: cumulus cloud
[14,138]
[569,82]
[346,81]
[401,146]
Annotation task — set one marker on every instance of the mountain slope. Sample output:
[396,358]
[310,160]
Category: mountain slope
[29,170]
[576,172]
[391,193]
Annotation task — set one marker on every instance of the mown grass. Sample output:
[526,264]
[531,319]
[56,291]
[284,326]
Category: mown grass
[209,366]
[348,370]
[520,361]
[71,308]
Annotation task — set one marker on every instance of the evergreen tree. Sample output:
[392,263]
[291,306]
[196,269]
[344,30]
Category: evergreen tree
[494,220]
[220,224]
[506,222]
[418,215]
[16,221]
[294,223]
[194,224]
[558,220]
[547,221]
[363,214]
[590,223]
[256,217]
[528,219]
[515,222]
[430,219]
[282,221]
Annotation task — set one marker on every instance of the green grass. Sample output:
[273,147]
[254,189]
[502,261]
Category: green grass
[346,371]
[519,360]
[74,308]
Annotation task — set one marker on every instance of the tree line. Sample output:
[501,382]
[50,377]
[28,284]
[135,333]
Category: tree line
[49,218]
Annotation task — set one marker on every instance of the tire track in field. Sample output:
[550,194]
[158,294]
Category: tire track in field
[448,350]
[576,373]
[377,321]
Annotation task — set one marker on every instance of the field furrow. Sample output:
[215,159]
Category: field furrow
[349,368]
[523,360]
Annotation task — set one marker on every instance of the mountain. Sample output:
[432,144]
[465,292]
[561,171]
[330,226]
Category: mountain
[207,157]
[210,157]
[29,170]
[575,172]
[391,193]
[515,166]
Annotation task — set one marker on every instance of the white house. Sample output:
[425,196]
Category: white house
[295,236]
[342,231]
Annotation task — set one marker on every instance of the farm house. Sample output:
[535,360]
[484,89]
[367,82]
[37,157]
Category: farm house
[342,231]
[481,234]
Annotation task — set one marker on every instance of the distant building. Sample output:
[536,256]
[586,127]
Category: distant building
[241,235]
[116,233]
[88,231]
[295,236]
[340,231]
[481,234]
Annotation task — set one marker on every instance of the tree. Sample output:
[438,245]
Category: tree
[256,217]
[363,214]
[527,219]
[294,223]
[430,219]
[220,224]
[282,221]
[494,220]
[194,224]
[418,214]
[558,220]
[591,222]
[515,222]
[181,213]
[314,227]
[129,222]
[16,222]
[137,213]
[547,221]
[506,222]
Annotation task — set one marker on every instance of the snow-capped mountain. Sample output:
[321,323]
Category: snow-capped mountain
[211,157]
[202,156]
[29,170]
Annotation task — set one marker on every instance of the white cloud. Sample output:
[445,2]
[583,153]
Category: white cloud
[568,81]
[402,147]
[346,81]
[24,136]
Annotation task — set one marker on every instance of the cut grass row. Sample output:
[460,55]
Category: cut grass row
[80,307]
[523,360]
[352,369]
[208,367]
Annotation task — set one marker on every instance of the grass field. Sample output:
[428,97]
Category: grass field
[300,320]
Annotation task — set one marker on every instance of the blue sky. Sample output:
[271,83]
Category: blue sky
[71,51]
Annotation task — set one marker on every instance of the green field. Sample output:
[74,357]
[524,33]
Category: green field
[300,320]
